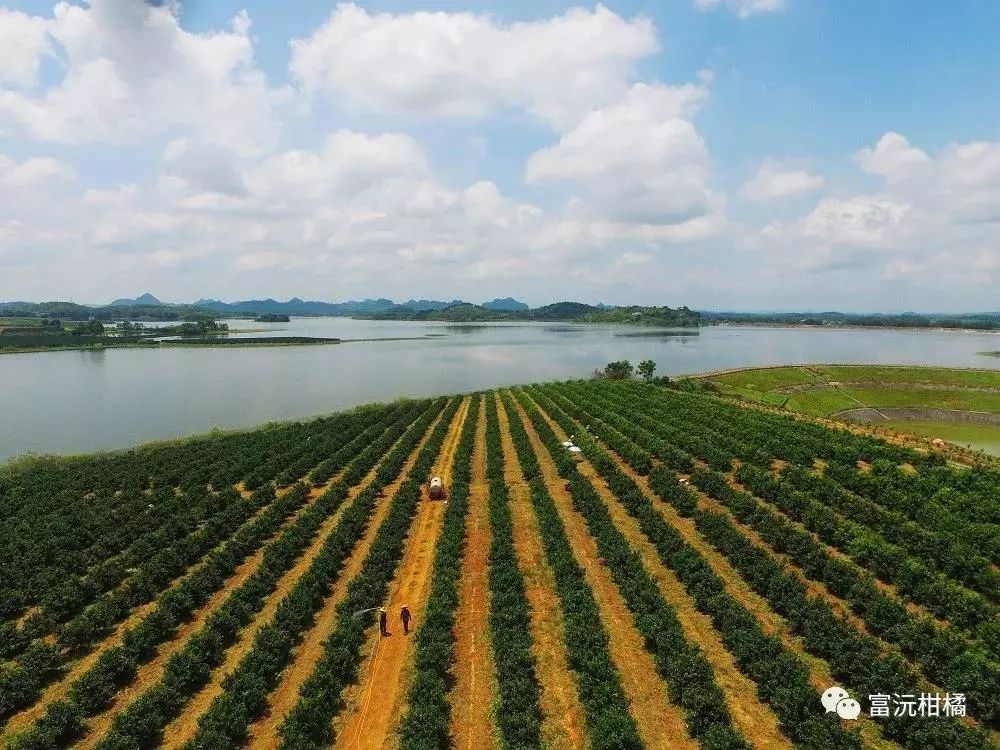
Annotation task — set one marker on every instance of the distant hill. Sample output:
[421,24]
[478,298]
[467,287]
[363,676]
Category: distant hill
[381,306]
[645,316]
[507,303]
[131,311]
[429,304]
[147,307]
[465,312]
[563,311]
[143,299]
[296,306]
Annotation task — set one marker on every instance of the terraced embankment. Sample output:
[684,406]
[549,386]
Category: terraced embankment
[960,406]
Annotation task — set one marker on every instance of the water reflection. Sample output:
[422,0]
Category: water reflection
[658,334]
[93,356]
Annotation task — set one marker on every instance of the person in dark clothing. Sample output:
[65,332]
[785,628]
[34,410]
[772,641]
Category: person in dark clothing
[382,618]
[404,615]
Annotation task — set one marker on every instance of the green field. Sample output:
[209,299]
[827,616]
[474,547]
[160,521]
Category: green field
[889,374]
[768,379]
[960,400]
[820,402]
[826,390]
[773,399]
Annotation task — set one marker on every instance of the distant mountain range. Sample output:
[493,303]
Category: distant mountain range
[465,312]
[147,307]
[296,306]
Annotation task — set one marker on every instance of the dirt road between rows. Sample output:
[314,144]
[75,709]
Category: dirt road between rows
[472,697]
[377,702]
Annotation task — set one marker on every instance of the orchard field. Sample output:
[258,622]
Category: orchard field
[697,576]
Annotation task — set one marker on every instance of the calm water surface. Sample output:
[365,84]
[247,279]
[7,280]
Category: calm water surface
[70,402]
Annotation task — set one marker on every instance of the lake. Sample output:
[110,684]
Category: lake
[79,401]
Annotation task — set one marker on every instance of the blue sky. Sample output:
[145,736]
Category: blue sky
[756,154]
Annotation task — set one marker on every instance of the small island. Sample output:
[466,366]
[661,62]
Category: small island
[558,312]
[272,318]
[19,336]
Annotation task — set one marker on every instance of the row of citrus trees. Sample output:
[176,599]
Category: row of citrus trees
[946,549]
[962,503]
[683,665]
[158,556]
[913,579]
[929,497]
[609,723]
[21,681]
[93,691]
[518,711]
[781,676]
[943,654]
[932,525]
[856,658]
[893,564]
[139,539]
[67,516]
[141,724]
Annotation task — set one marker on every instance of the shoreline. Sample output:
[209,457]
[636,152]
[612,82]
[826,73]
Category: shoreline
[810,326]
[732,370]
[167,345]
[249,343]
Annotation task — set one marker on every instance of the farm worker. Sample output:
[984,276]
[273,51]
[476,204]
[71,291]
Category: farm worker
[404,615]
[382,629]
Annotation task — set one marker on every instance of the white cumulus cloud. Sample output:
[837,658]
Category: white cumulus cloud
[24,41]
[775,181]
[639,160]
[860,220]
[934,225]
[892,157]
[471,65]
[131,72]
[33,171]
